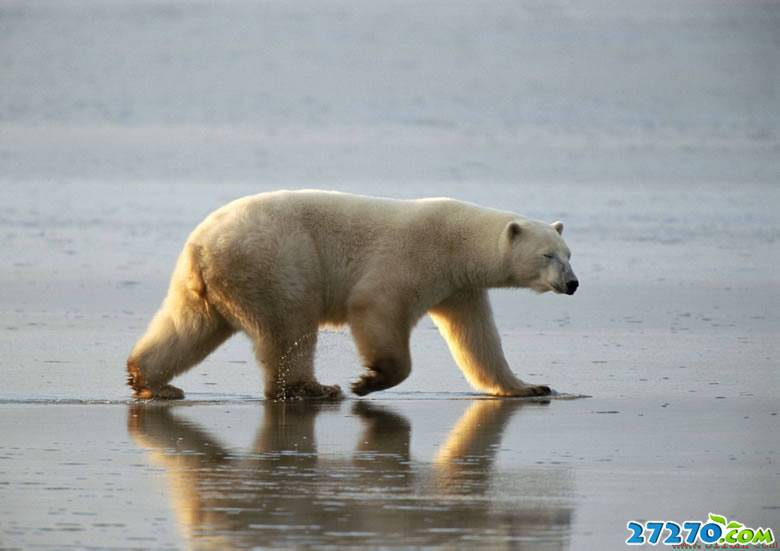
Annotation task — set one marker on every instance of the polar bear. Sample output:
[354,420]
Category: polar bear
[280,265]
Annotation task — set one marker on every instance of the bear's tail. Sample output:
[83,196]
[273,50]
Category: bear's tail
[189,266]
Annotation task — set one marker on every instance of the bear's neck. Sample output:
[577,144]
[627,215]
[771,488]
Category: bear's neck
[480,260]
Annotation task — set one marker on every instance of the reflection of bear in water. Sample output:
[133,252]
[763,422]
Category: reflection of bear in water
[282,493]
[280,265]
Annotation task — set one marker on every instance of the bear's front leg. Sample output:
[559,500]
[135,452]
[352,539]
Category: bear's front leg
[381,333]
[466,322]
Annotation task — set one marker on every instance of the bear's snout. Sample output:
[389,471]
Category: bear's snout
[571,286]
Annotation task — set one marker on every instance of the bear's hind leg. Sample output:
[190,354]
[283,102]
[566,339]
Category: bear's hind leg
[287,359]
[174,342]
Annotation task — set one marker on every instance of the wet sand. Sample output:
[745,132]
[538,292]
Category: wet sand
[651,130]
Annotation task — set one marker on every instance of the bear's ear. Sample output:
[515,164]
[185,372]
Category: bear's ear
[558,227]
[513,230]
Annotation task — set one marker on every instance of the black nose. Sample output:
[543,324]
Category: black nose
[571,286]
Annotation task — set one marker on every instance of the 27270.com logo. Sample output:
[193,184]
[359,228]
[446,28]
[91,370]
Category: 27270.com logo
[717,530]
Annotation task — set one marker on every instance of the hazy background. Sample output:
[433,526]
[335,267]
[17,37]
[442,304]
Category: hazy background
[332,93]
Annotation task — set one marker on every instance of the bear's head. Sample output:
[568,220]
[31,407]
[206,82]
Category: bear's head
[539,257]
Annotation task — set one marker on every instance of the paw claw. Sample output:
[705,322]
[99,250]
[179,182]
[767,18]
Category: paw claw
[166,392]
[526,391]
[332,392]
[307,391]
[541,390]
[365,385]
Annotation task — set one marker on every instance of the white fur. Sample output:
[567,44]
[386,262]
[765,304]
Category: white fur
[280,265]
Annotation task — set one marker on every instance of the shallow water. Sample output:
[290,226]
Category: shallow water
[499,473]
[650,129]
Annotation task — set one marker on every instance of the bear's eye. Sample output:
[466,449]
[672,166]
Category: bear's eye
[548,256]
